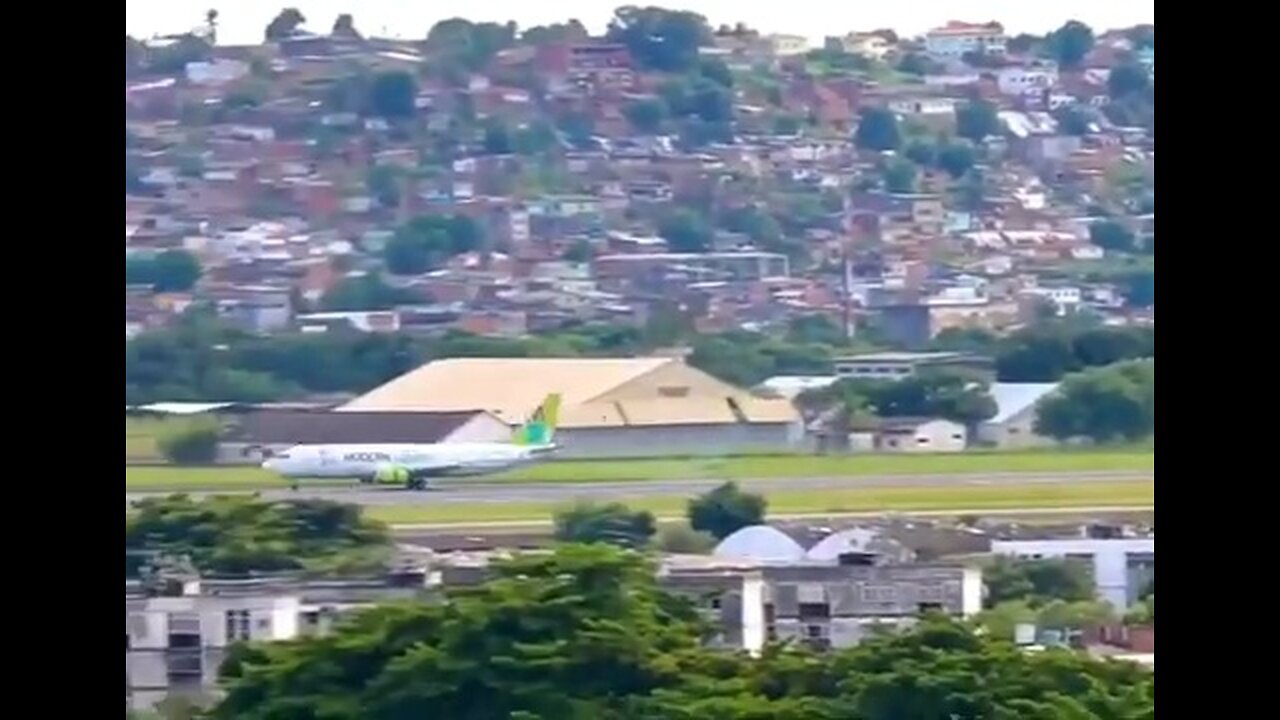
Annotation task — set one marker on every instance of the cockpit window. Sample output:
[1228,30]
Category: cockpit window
[281,456]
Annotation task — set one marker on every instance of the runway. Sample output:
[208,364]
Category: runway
[477,491]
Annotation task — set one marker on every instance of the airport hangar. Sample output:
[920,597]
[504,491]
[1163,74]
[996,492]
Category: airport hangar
[610,407]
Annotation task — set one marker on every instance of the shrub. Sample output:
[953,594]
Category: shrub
[680,538]
[191,443]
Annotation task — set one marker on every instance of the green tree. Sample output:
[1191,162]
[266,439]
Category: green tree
[467,46]
[921,153]
[1102,404]
[1072,120]
[1023,43]
[976,120]
[955,396]
[612,523]
[716,71]
[660,39]
[1111,235]
[580,251]
[535,138]
[913,64]
[646,116]
[426,241]
[786,125]
[577,634]
[365,292]
[686,231]
[1140,288]
[497,138]
[238,535]
[393,95]
[345,26]
[1108,345]
[814,329]
[877,130]
[1127,79]
[384,184]
[168,271]
[1035,355]
[725,510]
[1037,582]
[194,442]
[681,538]
[572,31]
[956,159]
[1069,44]
[284,24]
[578,129]
[900,176]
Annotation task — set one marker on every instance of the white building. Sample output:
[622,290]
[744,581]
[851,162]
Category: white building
[1121,566]
[908,435]
[958,38]
[1021,80]
[898,365]
[175,645]
[1013,425]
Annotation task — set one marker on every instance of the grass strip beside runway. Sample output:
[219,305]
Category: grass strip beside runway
[165,478]
[900,499]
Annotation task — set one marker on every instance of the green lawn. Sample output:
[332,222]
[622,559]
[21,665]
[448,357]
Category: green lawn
[956,498]
[585,471]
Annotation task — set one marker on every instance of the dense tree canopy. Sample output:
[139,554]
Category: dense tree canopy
[168,271]
[686,231]
[725,510]
[1069,44]
[586,633]
[366,292]
[646,116]
[611,523]
[429,240]
[284,24]
[977,120]
[1106,404]
[463,45]
[660,39]
[393,95]
[237,535]
[955,396]
[877,130]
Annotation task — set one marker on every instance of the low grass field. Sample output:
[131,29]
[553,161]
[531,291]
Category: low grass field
[162,478]
[1137,494]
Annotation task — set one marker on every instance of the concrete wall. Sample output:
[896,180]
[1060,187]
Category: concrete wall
[677,440]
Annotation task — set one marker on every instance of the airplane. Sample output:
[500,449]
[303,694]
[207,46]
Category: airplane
[410,464]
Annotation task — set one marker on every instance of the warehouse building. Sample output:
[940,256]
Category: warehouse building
[610,407]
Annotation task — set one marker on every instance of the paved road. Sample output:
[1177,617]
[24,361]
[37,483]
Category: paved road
[463,491]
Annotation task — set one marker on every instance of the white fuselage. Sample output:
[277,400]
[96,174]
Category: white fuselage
[366,461]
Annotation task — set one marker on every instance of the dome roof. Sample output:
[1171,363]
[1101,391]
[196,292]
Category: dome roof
[759,542]
[858,540]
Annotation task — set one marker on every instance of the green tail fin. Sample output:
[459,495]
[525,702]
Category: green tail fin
[541,428]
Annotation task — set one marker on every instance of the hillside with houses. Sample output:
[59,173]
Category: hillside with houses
[319,213]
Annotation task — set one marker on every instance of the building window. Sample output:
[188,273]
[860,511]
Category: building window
[879,593]
[238,627]
[814,610]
